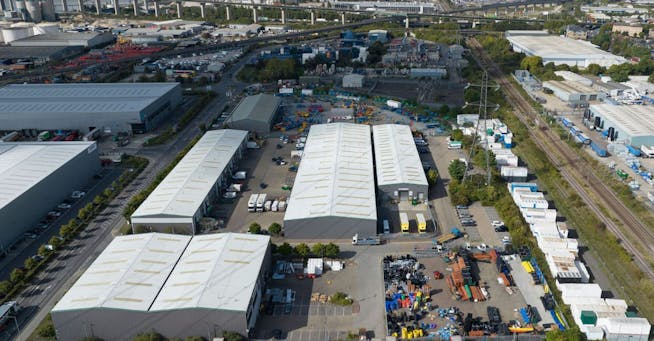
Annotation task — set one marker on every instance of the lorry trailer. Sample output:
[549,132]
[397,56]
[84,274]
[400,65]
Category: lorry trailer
[374,240]
[404,222]
[422,223]
[252,202]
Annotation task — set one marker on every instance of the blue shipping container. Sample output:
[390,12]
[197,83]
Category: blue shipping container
[633,151]
[601,152]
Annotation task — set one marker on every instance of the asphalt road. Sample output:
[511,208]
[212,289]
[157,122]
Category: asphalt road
[51,284]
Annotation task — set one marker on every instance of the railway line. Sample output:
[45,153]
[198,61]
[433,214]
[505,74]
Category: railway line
[596,194]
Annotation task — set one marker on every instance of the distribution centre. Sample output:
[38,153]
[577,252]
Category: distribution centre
[400,174]
[178,286]
[185,195]
[37,176]
[255,113]
[112,107]
[333,195]
[629,123]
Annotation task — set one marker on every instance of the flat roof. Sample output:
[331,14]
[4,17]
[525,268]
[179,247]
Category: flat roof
[128,274]
[634,120]
[335,177]
[184,189]
[60,36]
[259,107]
[25,164]
[80,97]
[547,46]
[396,156]
[217,271]
[571,87]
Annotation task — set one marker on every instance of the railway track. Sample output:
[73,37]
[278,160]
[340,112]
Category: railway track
[574,170]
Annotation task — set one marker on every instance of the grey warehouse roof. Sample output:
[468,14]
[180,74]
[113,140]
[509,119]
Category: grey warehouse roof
[80,98]
[634,120]
[259,107]
[182,192]
[335,176]
[216,271]
[155,271]
[396,156]
[25,164]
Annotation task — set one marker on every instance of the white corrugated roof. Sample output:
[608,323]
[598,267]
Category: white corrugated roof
[128,274]
[217,271]
[541,44]
[181,193]
[335,176]
[396,156]
[24,164]
[634,120]
[80,98]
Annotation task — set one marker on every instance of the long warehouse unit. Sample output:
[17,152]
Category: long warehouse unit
[111,107]
[333,195]
[632,124]
[399,170]
[184,196]
[37,176]
[178,286]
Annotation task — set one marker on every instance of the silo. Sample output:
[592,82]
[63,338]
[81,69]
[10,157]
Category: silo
[34,9]
[21,10]
[48,10]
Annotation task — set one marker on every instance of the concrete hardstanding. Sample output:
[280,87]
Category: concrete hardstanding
[113,114]
[23,213]
[330,227]
[124,325]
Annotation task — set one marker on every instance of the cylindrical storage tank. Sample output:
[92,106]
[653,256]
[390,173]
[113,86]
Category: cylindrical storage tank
[611,133]
[45,28]
[597,121]
[48,10]
[21,9]
[34,9]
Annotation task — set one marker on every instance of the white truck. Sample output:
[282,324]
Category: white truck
[240,175]
[275,206]
[261,201]
[252,145]
[252,203]
[267,206]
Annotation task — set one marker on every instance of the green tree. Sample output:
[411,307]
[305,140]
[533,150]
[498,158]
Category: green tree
[651,78]
[254,228]
[570,334]
[432,176]
[375,53]
[66,230]
[532,64]
[47,331]
[332,250]
[302,250]
[233,336]
[285,249]
[43,251]
[107,193]
[30,263]
[275,229]
[457,169]
[98,200]
[151,336]
[16,275]
[456,135]
[318,249]
[594,69]
[5,288]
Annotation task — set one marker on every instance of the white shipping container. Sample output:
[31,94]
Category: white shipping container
[286,91]
[307,92]
[394,104]
[508,171]
[506,160]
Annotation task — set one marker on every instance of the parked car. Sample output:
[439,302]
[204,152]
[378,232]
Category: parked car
[461,207]
[30,235]
[43,224]
[230,195]
[506,240]
[63,206]
[501,228]
[54,214]
[77,194]
[496,223]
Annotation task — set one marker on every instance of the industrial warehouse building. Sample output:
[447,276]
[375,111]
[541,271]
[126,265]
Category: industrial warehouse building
[400,175]
[112,107]
[333,195]
[560,50]
[178,286]
[255,113]
[632,124]
[84,39]
[37,176]
[574,92]
[185,195]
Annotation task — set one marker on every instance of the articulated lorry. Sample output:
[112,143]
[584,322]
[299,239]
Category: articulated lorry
[375,240]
